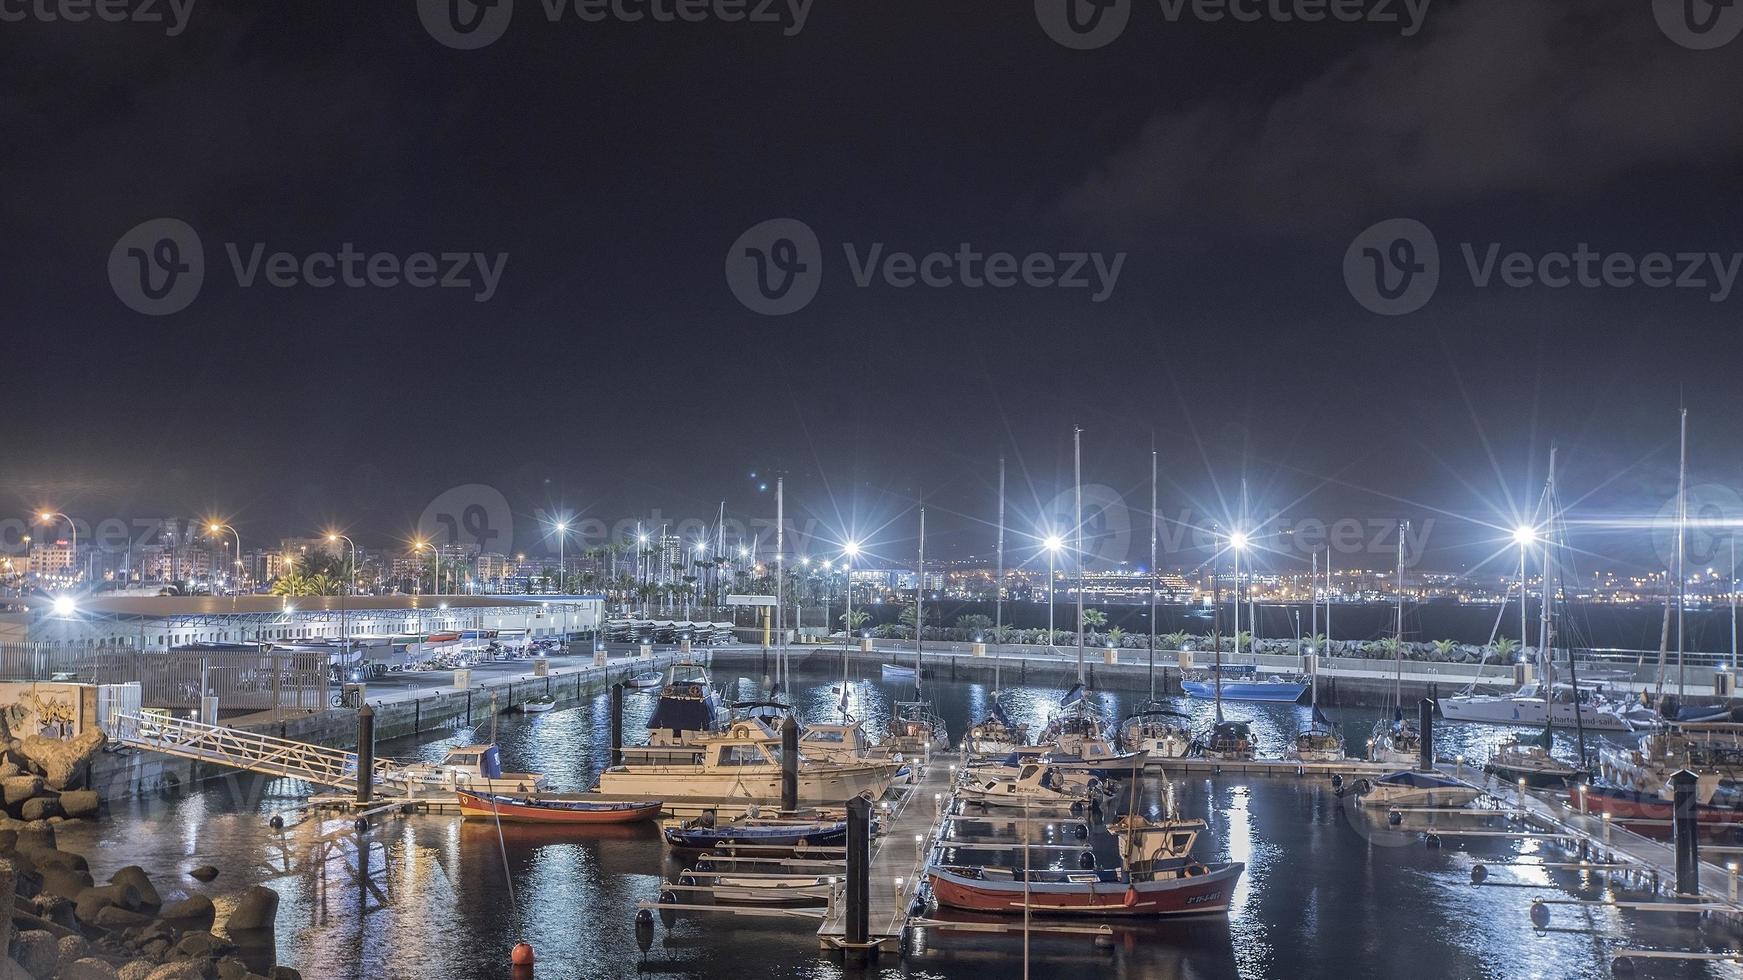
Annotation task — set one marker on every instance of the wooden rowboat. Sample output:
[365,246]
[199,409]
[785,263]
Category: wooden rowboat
[526,809]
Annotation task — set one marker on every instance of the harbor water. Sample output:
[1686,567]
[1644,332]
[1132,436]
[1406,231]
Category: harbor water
[1330,890]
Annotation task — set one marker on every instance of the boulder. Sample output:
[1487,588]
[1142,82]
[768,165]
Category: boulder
[155,948]
[55,908]
[283,973]
[176,971]
[41,837]
[134,875]
[89,968]
[7,877]
[40,808]
[46,857]
[90,903]
[16,789]
[115,918]
[72,948]
[136,970]
[78,803]
[256,908]
[204,872]
[193,909]
[62,761]
[231,968]
[200,945]
[36,951]
[65,882]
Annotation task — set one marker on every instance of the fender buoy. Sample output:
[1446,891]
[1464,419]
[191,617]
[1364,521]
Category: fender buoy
[1131,897]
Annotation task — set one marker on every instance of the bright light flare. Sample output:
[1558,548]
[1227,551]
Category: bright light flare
[1524,535]
[1238,540]
[64,605]
[1053,542]
[851,549]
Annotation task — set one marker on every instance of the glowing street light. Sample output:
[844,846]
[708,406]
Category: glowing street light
[334,537]
[849,552]
[64,605]
[1052,543]
[1524,535]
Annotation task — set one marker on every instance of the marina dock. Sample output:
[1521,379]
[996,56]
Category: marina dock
[898,857]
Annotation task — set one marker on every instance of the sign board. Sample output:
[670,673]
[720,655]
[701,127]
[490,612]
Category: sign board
[750,600]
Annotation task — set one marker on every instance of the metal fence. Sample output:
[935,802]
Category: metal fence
[241,680]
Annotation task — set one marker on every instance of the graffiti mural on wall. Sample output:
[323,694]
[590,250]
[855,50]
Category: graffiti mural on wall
[40,709]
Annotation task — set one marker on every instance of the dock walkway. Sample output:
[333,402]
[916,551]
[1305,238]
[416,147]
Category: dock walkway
[897,860]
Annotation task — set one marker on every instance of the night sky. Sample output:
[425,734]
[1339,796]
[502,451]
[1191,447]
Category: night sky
[613,371]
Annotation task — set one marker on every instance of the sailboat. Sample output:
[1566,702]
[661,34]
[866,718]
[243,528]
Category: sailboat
[1397,742]
[1321,742]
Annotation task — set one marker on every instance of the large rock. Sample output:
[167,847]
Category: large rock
[284,973]
[134,875]
[256,908]
[202,945]
[204,872]
[89,968]
[90,903]
[136,970]
[62,761]
[40,808]
[16,789]
[50,857]
[35,950]
[231,968]
[194,908]
[72,948]
[177,971]
[79,803]
[65,882]
[7,877]
[114,918]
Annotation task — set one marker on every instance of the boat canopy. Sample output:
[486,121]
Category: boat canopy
[1419,780]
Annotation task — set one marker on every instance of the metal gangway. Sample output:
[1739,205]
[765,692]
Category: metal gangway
[247,750]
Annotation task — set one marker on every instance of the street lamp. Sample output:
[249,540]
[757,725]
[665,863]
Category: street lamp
[48,517]
[1238,544]
[1523,535]
[217,527]
[1052,543]
[334,537]
[435,564]
[849,552]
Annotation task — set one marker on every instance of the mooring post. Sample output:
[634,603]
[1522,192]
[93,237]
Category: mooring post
[1425,721]
[858,870]
[1683,830]
[617,724]
[789,764]
[365,754]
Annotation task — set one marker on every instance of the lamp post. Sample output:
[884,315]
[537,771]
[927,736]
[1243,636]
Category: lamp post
[1523,536]
[435,565]
[333,537]
[1238,544]
[216,527]
[849,552]
[48,517]
[1052,543]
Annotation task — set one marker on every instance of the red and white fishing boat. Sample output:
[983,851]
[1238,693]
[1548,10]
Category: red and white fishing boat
[532,809]
[1159,878]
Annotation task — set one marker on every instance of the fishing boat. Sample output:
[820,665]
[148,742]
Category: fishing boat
[1528,761]
[1037,785]
[1242,682]
[537,706]
[1158,877]
[477,768]
[1650,814]
[705,832]
[1228,741]
[688,708]
[535,809]
[646,679]
[1161,732]
[1412,787]
[744,763]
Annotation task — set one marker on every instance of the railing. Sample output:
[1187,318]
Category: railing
[245,750]
[247,680]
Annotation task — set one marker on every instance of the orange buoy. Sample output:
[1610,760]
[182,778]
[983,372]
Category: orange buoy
[522,954]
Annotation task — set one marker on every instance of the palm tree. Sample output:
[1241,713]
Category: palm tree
[859,618]
[1505,648]
[1116,637]
[1093,618]
[1444,649]
[1176,640]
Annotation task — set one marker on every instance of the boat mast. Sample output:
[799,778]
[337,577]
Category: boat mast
[1546,660]
[1216,636]
[1398,642]
[1156,578]
[1682,516]
[780,583]
[920,602]
[1077,466]
[999,584]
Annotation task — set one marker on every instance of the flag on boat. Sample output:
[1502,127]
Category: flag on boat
[1072,696]
[1319,717]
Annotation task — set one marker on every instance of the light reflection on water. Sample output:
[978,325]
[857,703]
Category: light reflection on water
[1330,890]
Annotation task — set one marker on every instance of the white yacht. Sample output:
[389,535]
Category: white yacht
[744,763]
[1529,707]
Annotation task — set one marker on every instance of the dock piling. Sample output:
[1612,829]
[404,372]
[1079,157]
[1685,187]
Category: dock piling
[365,753]
[617,724]
[1425,721]
[1683,831]
[858,896]
[789,765]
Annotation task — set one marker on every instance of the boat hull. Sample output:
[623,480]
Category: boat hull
[832,786]
[1415,796]
[1529,712]
[1206,894]
[1288,692]
[526,810]
[1650,815]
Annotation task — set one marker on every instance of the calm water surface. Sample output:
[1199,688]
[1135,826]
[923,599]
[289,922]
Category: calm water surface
[1329,891]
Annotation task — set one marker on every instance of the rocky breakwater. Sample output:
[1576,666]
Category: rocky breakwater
[42,779]
[66,925]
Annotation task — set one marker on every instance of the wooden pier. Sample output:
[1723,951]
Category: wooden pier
[897,861]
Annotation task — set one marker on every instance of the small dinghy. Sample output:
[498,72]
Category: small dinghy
[704,832]
[536,706]
[897,671]
[646,679]
[532,809]
[1414,788]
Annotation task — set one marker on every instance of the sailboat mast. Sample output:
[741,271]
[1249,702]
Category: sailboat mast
[1398,643]
[1156,578]
[1077,468]
[1545,659]
[999,584]
[1682,516]
[780,583]
[920,599]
